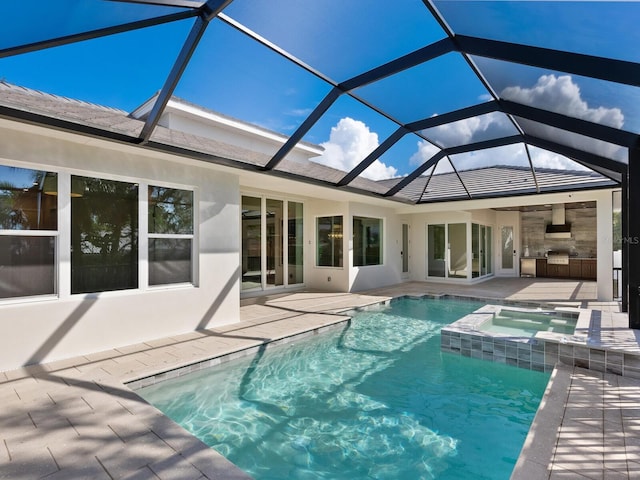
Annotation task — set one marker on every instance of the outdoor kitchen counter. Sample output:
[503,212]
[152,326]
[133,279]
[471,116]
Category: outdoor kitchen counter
[578,268]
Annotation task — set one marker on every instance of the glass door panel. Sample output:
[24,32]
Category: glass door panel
[475,250]
[457,251]
[275,245]
[436,251]
[405,248]
[489,250]
[507,247]
[295,243]
[251,242]
[483,249]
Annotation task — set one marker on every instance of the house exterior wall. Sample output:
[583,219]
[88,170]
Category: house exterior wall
[389,272]
[40,329]
[419,222]
[604,220]
[325,278]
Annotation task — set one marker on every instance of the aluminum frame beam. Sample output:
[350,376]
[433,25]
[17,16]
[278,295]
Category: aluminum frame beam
[97,33]
[415,174]
[632,239]
[571,124]
[586,158]
[373,156]
[302,130]
[609,69]
[209,11]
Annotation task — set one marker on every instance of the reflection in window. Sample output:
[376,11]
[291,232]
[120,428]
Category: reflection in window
[28,203]
[104,235]
[26,266]
[170,210]
[367,241]
[329,236]
[170,235]
[28,199]
[169,260]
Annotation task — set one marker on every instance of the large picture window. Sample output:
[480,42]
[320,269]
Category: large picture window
[170,235]
[28,230]
[104,235]
[330,236]
[367,241]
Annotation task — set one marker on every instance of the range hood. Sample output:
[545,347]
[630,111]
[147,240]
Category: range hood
[558,228]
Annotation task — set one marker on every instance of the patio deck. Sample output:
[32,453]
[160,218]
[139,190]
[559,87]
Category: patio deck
[77,419]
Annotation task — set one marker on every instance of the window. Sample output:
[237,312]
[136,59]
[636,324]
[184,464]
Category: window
[367,241]
[28,230]
[251,242]
[104,235]
[329,235]
[170,235]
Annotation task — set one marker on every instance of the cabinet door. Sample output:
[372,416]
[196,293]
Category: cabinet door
[589,269]
[541,267]
[563,271]
[575,268]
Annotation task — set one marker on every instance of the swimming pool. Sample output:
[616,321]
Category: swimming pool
[372,399]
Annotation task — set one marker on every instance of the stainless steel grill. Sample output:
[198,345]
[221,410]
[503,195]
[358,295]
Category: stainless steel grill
[558,258]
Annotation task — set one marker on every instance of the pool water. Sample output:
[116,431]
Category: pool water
[527,324]
[374,399]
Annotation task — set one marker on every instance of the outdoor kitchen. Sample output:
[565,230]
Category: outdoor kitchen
[559,241]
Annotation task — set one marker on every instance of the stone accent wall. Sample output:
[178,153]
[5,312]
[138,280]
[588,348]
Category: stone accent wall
[583,241]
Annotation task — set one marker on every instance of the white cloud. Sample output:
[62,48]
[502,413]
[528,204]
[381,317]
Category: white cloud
[470,130]
[425,151]
[560,94]
[546,159]
[514,155]
[349,143]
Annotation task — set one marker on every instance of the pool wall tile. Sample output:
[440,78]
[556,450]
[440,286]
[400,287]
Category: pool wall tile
[540,353]
[631,372]
[614,358]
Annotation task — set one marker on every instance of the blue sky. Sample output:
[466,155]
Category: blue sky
[340,38]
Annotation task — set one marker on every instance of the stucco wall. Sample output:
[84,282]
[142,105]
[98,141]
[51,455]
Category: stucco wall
[389,272]
[46,329]
[325,278]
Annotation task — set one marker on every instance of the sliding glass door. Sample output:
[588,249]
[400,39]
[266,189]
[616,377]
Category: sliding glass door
[272,243]
[447,250]
[448,254]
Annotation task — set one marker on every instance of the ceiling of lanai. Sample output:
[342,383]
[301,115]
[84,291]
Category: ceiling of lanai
[418,101]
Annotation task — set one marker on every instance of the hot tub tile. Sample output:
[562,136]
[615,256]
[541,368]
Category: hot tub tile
[597,356]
